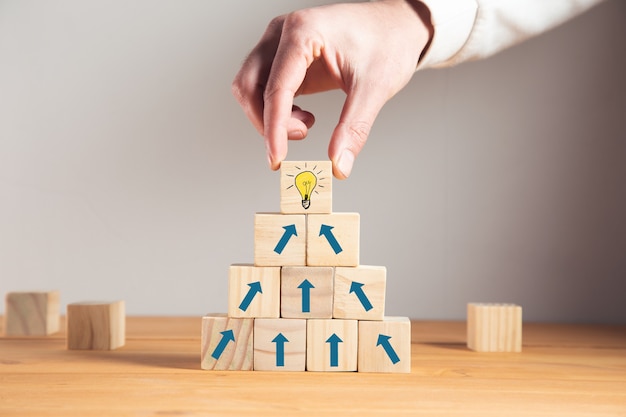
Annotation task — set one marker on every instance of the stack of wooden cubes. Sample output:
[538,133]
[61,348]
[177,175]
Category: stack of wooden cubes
[306,303]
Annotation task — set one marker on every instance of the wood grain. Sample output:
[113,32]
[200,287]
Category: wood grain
[31,313]
[320,291]
[564,370]
[96,325]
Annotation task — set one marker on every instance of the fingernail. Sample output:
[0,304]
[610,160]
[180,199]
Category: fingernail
[345,163]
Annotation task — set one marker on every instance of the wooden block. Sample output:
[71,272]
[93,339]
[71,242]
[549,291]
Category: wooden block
[306,187]
[494,327]
[385,346]
[254,291]
[226,343]
[31,313]
[360,292]
[279,239]
[279,344]
[333,239]
[331,345]
[96,325]
[306,292]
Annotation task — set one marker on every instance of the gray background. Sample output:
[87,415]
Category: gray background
[128,171]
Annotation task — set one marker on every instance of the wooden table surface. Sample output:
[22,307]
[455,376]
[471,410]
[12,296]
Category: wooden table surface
[564,370]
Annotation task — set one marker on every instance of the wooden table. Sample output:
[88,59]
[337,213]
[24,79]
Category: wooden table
[564,370]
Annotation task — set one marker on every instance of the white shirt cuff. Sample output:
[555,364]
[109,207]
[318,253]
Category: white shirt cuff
[453,21]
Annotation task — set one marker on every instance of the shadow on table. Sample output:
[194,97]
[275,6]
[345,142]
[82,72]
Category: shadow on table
[171,360]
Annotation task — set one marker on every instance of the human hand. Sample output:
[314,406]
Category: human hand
[368,50]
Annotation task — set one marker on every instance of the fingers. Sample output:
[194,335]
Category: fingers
[298,48]
[301,121]
[268,81]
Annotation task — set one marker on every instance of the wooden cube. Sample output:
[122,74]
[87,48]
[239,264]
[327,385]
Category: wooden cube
[332,345]
[360,292]
[494,327]
[254,291]
[279,239]
[31,313]
[306,292]
[226,343]
[333,239]
[306,187]
[385,346]
[279,344]
[96,325]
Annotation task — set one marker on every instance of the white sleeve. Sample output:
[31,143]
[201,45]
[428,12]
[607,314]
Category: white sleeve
[466,30]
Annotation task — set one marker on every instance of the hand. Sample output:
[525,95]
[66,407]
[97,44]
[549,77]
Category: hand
[368,50]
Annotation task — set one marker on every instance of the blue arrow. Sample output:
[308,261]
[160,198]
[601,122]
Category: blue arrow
[334,341]
[306,295]
[227,336]
[357,289]
[290,230]
[255,287]
[280,340]
[383,340]
[327,232]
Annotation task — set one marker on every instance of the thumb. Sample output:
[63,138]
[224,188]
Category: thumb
[357,117]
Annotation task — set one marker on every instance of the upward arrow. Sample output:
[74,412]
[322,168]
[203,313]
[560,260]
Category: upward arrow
[227,336]
[357,289]
[327,232]
[290,230]
[280,340]
[334,341]
[306,295]
[255,287]
[383,340]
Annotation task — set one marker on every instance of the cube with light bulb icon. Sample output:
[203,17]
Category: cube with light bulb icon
[306,187]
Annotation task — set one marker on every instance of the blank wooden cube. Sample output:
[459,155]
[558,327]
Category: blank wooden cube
[385,346]
[279,344]
[254,291]
[227,343]
[31,313]
[279,239]
[306,187]
[333,239]
[360,292]
[306,292]
[332,345]
[96,325]
[494,327]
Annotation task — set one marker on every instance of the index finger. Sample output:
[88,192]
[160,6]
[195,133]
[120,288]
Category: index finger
[296,51]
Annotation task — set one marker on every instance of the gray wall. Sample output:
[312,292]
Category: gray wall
[128,171]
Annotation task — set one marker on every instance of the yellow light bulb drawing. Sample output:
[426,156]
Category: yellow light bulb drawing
[305,183]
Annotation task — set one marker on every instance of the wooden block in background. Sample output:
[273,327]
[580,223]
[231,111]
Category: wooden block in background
[306,187]
[226,343]
[331,345]
[360,292]
[31,313]
[96,325]
[306,292]
[254,291]
[279,344]
[333,239]
[279,239]
[494,327]
[385,346]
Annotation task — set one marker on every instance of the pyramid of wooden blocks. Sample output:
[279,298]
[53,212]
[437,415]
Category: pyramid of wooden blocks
[31,313]
[494,327]
[306,303]
[96,325]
